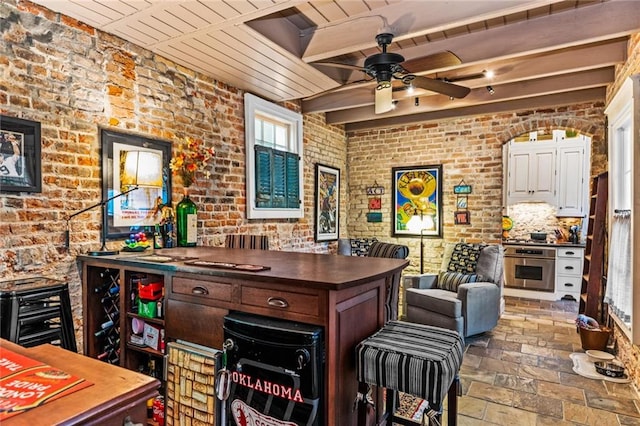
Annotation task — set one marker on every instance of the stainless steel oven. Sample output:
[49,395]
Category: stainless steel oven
[530,267]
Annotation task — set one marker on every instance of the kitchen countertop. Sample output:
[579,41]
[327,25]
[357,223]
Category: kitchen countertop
[551,244]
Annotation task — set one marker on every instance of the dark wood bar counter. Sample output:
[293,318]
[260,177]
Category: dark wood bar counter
[343,294]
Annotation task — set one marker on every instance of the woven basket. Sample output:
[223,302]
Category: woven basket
[594,339]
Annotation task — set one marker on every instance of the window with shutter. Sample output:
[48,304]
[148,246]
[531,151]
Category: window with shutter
[273,138]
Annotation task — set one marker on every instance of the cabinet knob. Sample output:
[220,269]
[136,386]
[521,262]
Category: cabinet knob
[277,302]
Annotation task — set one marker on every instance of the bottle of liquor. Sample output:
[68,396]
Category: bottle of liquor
[187,218]
[169,230]
[157,238]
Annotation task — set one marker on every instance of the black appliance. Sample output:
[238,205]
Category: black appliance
[277,371]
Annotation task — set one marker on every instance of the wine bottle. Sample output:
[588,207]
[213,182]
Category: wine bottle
[187,218]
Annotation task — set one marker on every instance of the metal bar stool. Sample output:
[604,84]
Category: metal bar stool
[416,359]
[38,315]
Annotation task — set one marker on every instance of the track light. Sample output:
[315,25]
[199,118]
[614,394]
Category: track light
[394,104]
[487,74]
[490,90]
[416,102]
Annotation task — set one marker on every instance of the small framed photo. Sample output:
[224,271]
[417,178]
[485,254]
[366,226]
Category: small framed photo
[462,217]
[327,187]
[461,203]
[20,160]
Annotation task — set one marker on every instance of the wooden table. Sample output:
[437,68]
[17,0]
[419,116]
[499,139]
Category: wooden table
[115,394]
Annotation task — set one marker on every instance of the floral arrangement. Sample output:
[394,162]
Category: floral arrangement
[192,156]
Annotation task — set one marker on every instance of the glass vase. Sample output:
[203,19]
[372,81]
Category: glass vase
[187,221]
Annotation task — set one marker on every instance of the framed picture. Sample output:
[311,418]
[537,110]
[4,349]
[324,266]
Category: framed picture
[417,190]
[462,202]
[20,161]
[129,161]
[462,217]
[327,202]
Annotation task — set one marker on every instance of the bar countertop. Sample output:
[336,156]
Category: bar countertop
[325,271]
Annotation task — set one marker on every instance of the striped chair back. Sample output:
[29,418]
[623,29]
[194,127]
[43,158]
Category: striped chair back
[397,251]
[242,241]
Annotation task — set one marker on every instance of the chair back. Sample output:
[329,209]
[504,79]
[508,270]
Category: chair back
[397,251]
[242,241]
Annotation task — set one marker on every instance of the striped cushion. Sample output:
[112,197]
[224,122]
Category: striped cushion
[451,280]
[259,242]
[417,359]
[380,249]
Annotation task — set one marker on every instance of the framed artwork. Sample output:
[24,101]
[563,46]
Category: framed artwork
[129,161]
[327,193]
[20,160]
[462,202]
[417,190]
[462,217]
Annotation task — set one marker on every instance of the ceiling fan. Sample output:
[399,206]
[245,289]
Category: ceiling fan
[386,66]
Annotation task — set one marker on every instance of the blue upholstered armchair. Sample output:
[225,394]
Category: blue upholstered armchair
[466,296]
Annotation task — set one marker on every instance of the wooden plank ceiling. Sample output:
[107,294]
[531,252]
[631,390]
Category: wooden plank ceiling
[541,52]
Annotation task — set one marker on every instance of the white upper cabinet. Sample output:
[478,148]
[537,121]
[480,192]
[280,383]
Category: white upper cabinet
[532,173]
[553,171]
[573,175]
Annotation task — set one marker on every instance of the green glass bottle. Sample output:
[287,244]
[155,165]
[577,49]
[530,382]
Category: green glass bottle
[187,218]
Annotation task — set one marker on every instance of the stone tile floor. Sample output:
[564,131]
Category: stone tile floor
[521,374]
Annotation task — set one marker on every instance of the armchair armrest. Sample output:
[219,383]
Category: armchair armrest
[480,306]
[423,281]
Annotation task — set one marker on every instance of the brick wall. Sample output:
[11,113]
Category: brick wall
[469,149]
[75,80]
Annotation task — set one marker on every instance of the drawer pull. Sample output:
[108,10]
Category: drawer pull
[568,285]
[569,253]
[570,268]
[199,290]
[277,302]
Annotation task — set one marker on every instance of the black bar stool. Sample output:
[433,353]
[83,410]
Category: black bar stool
[37,310]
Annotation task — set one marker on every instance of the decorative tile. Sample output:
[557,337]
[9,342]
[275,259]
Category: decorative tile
[506,416]
[538,404]
[491,393]
[589,416]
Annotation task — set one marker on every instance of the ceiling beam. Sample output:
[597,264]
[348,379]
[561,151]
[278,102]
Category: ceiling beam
[358,32]
[569,98]
[506,92]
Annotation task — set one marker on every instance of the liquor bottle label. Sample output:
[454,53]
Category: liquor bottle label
[192,228]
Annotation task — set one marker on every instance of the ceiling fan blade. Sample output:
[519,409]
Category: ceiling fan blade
[339,65]
[439,86]
[384,99]
[431,62]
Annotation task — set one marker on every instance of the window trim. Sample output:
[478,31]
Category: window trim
[624,106]
[253,106]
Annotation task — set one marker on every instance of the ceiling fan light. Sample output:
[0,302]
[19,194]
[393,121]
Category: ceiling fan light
[490,90]
[488,74]
[383,85]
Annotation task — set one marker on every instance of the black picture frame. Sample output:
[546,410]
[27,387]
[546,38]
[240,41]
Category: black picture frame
[416,190]
[120,225]
[327,203]
[20,148]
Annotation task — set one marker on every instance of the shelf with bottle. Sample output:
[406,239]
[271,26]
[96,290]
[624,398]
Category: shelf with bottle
[107,327]
[144,329]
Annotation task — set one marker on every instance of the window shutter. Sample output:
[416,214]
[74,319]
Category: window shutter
[277,178]
[293,180]
[263,176]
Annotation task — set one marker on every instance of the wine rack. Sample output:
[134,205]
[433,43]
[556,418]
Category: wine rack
[107,333]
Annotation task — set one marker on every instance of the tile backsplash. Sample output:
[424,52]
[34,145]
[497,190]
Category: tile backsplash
[540,217]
